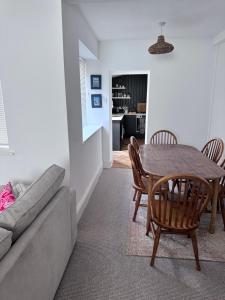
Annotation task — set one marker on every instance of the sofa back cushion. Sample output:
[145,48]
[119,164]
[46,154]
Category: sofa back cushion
[5,241]
[22,213]
[19,189]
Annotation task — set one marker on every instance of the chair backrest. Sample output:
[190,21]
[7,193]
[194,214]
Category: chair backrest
[137,168]
[134,143]
[179,207]
[163,137]
[214,149]
[222,180]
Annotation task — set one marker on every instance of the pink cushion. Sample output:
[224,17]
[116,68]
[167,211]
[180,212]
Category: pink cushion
[7,197]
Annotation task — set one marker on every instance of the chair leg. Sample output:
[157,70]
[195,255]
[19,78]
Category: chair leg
[135,194]
[195,248]
[152,229]
[222,210]
[155,246]
[137,204]
[148,228]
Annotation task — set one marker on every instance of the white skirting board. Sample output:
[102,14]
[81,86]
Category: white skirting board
[85,199]
[107,164]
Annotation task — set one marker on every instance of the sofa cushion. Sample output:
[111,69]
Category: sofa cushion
[26,208]
[19,189]
[5,241]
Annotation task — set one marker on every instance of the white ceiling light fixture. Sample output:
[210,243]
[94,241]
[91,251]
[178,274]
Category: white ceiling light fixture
[161,47]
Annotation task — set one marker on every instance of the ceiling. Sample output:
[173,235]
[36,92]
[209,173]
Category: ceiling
[138,19]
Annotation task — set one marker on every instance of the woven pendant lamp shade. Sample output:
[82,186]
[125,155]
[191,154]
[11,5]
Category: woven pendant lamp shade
[161,47]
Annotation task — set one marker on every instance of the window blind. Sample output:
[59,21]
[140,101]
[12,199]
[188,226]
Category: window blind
[83,89]
[3,128]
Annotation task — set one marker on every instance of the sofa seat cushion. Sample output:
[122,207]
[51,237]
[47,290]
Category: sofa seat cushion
[5,241]
[22,213]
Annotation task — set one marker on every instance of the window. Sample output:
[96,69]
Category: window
[3,129]
[83,89]
[90,117]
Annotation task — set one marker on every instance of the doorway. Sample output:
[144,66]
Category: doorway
[130,98]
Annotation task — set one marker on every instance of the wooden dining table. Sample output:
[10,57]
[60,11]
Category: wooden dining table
[163,160]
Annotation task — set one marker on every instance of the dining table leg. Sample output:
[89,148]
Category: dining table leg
[212,224]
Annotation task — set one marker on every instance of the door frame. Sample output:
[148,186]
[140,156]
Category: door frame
[130,72]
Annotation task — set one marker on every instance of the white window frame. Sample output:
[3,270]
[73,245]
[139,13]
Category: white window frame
[83,90]
[87,129]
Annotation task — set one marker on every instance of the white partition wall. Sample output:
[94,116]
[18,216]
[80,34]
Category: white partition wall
[33,88]
[85,157]
[217,122]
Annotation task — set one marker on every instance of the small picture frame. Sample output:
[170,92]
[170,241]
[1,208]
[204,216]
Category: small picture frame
[96,100]
[96,82]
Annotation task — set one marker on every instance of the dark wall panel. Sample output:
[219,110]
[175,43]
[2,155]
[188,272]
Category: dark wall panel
[136,87]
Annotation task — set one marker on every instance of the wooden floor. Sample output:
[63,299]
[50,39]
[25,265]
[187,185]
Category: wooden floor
[121,158]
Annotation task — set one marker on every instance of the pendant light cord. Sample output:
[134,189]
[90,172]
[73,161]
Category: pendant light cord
[161,24]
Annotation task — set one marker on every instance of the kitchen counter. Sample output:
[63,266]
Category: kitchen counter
[117,126]
[118,117]
[130,124]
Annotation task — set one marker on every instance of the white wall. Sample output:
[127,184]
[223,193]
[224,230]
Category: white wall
[180,85]
[217,124]
[32,75]
[101,116]
[43,106]
[85,158]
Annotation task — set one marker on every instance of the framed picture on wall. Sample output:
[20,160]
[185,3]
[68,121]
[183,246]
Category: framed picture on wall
[96,82]
[96,100]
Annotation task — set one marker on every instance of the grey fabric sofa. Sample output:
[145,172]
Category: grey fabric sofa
[37,235]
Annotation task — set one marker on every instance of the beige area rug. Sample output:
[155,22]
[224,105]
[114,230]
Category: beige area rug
[211,246]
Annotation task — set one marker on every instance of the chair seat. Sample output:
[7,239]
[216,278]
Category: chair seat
[145,181]
[173,216]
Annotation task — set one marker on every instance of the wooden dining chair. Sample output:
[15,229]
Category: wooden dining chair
[140,179]
[165,137]
[214,149]
[134,143]
[222,194]
[179,212]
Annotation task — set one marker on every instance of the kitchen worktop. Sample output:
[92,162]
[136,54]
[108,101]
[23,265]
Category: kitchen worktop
[126,125]
[119,117]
